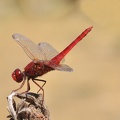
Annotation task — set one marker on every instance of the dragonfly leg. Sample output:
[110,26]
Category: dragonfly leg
[41,88]
[20,86]
[42,85]
[28,87]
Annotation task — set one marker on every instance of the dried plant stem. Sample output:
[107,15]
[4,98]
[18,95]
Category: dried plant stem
[29,107]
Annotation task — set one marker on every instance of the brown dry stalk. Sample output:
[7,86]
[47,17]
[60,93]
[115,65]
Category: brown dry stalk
[28,106]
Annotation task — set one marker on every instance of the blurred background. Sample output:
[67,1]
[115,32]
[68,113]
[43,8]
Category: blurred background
[92,90]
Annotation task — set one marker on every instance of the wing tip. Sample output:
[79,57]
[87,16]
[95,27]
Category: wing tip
[70,70]
[16,36]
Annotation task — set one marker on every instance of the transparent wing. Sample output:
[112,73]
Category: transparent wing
[62,67]
[31,49]
[48,51]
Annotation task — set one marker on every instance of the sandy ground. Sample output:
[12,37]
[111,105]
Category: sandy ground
[92,90]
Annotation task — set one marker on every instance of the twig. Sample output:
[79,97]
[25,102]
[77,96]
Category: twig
[30,107]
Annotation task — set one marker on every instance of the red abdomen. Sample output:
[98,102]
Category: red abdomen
[33,70]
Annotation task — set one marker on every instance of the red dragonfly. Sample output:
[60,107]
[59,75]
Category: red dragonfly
[44,59]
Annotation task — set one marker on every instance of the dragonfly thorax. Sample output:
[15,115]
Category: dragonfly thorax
[35,69]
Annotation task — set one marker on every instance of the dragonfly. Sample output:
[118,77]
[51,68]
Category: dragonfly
[44,59]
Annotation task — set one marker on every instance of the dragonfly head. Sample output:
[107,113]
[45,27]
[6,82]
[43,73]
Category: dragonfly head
[17,75]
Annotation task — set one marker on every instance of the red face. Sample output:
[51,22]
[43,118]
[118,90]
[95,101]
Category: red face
[17,75]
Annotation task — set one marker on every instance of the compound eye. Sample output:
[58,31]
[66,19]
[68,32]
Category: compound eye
[17,75]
